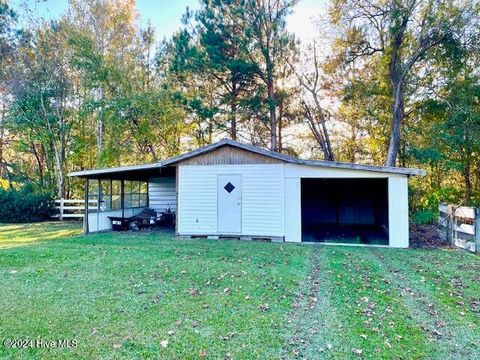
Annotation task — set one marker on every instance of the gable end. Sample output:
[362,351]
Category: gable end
[229,155]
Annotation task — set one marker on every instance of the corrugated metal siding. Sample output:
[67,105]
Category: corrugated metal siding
[398,211]
[162,193]
[293,210]
[262,199]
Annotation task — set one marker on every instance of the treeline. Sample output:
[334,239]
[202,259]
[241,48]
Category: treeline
[383,82]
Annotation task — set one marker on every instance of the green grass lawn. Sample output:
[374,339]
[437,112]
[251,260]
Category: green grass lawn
[148,295]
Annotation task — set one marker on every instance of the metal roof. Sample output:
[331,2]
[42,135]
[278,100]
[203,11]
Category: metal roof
[251,148]
[113,170]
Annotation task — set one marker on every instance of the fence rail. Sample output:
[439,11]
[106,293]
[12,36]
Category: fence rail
[460,225]
[72,208]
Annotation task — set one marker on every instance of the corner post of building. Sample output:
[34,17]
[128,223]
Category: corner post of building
[477,230]
[85,212]
[177,191]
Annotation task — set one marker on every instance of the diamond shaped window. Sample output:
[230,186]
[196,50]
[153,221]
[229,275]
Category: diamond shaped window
[229,187]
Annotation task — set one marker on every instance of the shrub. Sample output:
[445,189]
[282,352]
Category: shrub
[21,206]
[425,216]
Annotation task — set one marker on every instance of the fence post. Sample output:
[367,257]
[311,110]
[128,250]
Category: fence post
[477,230]
[61,209]
[450,217]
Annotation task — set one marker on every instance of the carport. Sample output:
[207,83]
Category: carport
[345,210]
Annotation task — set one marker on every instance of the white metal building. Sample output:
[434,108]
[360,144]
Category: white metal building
[231,189]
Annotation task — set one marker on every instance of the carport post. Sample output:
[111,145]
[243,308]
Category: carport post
[85,212]
[99,200]
[477,230]
[122,197]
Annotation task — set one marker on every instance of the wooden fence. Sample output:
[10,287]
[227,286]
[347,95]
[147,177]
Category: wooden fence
[72,208]
[460,226]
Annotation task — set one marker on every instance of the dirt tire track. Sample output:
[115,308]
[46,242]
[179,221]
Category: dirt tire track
[422,309]
[313,321]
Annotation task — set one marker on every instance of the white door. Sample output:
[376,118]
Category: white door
[229,207]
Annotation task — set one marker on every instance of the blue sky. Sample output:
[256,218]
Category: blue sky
[165,15]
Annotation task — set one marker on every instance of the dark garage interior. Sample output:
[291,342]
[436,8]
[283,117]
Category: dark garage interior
[353,211]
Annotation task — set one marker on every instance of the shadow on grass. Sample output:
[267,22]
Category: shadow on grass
[13,235]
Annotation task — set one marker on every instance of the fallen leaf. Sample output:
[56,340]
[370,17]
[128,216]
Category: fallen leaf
[229,336]
[202,353]
[264,307]
[193,291]
[357,351]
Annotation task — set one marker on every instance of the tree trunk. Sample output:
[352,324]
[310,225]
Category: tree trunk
[280,127]
[233,120]
[398,113]
[402,153]
[328,153]
[273,115]
[58,170]
[322,139]
[152,152]
[2,137]
[467,167]
[99,138]
[330,156]
[39,164]
[468,183]
[210,131]
[100,131]
[233,112]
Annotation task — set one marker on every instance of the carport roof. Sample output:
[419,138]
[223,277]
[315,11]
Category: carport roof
[155,168]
